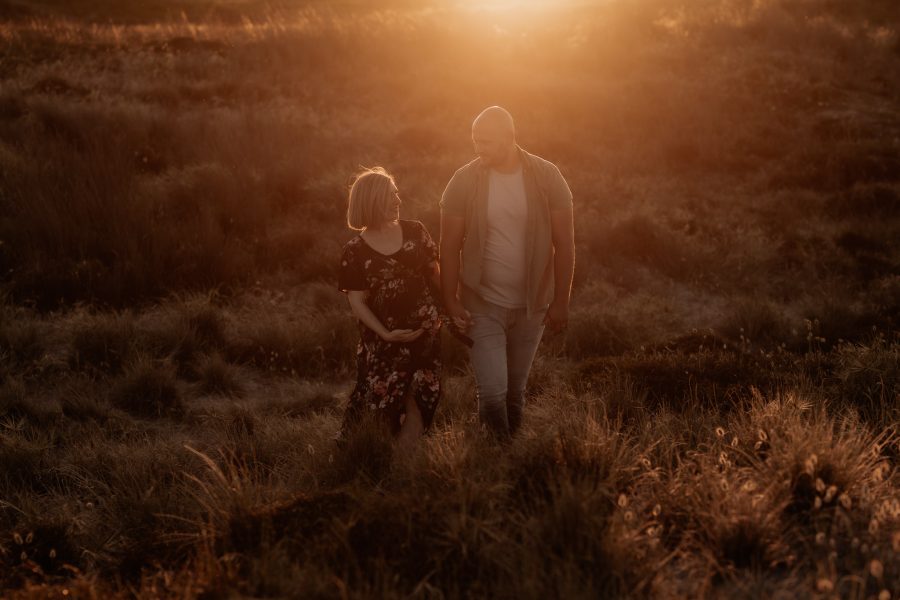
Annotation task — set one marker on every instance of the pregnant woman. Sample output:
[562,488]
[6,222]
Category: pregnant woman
[389,272]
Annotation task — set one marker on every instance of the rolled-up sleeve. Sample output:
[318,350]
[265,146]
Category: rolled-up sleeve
[453,200]
[559,194]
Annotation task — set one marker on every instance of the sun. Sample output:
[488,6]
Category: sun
[523,11]
[513,5]
[506,4]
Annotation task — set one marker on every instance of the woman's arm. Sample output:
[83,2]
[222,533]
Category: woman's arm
[361,310]
[436,276]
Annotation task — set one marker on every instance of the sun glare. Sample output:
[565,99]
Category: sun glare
[523,15]
[525,6]
[507,4]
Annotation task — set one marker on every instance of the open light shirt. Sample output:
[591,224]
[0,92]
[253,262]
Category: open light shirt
[467,195]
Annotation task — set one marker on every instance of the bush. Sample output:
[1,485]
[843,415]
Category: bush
[204,320]
[640,239]
[46,541]
[865,201]
[293,523]
[756,324]
[219,377]
[103,344]
[365,450]
[707,376]
[82,399]
[22,339]
[869,378]
[593,331]
[25,465]
[18,402]
[148,389]
[307,345]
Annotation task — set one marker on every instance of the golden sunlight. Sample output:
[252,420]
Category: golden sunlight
[508,4]
[513,5]
[525,10]
[449,298]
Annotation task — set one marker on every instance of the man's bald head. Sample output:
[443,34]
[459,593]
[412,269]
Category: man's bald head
[495,119]
[494,136]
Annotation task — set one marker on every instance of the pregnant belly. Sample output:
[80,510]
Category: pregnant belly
[422,315]
[415,307]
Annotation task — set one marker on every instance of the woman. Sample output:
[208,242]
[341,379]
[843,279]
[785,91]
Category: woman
[389,272]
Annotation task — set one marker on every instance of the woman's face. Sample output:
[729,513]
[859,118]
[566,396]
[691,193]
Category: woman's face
[392,206]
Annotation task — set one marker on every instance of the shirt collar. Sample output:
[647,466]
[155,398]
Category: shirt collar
[523,161]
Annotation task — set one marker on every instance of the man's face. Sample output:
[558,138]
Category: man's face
[491,144]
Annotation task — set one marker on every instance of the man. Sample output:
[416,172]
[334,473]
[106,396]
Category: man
[507,257]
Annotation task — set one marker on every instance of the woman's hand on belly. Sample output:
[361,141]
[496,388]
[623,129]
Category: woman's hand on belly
[402,335]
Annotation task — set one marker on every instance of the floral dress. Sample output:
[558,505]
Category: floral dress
[401,296]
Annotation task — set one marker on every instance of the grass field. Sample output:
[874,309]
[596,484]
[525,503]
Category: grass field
[719,420]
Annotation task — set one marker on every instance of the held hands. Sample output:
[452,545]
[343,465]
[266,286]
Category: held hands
[402,335]
[461,317]
[557,317]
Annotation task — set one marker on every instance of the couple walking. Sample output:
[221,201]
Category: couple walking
[503,274]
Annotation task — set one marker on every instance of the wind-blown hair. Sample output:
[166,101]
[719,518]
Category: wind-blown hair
[370,194]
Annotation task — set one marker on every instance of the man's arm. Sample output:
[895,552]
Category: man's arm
[453,229]
[562,230]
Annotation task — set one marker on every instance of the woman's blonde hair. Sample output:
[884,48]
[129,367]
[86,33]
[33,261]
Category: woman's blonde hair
[370,194]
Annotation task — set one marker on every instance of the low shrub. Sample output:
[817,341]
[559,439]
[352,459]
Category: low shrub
[306,345]
[707,376]
[149,389]
[47,542]
[103,343]
[868,377]
[364,450]
[594,332]
[219,377]
[17,402]
[22,339]
[756,323]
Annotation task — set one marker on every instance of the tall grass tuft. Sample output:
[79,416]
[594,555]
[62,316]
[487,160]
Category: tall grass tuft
[102,344]
[869,378]
[22,339]
[44,545]
[149,388]
[219,377]
[365,451]
[308,345]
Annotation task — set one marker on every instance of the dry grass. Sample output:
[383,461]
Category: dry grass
[719,420]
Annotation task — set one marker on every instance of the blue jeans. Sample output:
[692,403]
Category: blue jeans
[505,342]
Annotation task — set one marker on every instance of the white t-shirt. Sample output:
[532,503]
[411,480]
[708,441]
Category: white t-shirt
[504,272]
